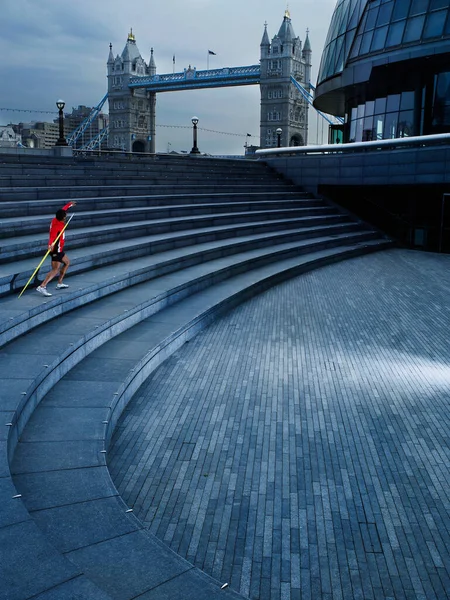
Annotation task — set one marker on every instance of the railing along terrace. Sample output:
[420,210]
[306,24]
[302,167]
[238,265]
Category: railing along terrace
[354,147]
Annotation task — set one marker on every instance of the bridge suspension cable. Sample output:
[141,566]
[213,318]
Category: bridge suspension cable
[78,132]
[332,120]
[28,110]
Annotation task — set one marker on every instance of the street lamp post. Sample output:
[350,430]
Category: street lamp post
[62,140]
[195,149]
[279,131]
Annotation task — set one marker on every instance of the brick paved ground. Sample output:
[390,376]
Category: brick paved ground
[299,448]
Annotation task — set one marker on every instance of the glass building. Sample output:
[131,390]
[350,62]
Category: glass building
[385,68]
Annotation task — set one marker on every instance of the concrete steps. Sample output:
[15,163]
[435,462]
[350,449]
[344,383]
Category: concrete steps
[71,363]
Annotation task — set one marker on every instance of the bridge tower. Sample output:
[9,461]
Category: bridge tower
[282,105]
[131,112]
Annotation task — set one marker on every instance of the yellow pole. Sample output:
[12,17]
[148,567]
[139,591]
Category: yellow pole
[46,254]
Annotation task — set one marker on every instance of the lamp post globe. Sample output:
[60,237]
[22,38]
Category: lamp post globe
[195,149]
[279,131]
[60,104]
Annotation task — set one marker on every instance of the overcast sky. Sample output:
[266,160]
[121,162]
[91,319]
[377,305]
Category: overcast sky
[58,49]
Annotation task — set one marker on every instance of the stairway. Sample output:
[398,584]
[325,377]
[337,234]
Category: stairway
[159,248]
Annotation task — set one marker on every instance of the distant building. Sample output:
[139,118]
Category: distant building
[8,137]
[78,115]
[39,134]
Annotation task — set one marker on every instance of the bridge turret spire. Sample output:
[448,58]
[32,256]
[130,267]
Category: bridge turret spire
[265,38]
[151,64]
[111,55]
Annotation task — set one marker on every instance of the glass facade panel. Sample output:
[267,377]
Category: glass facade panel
[369,107]
[356,46]
[366,41]
[378,125]
[413,29]
[434,25]
[371,19]
[435,4]
[395,34]
[379,39]
[380,105]
[401,10]
[367,130]
[384,14]
[418,7]
[407,100]
[405,123]
[390,126]
[441,108]
[393,103]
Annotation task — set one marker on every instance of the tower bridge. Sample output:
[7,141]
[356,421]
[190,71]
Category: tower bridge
[285,63]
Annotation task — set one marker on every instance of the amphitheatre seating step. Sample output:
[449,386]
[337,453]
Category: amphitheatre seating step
[48,207]
[14,275]
[14,226]
[65,381]
[80,189]
[60,467]
[21,315]
[12,248]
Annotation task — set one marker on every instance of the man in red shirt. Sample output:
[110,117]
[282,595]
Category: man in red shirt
[60,261]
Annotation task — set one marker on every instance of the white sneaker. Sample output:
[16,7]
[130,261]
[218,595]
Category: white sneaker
[61,286]
[43,291]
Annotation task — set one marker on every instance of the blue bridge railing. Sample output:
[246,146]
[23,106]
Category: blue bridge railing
[193,79]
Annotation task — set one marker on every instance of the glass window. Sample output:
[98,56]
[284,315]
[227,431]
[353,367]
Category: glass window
[360,110]
[371,18]
[393,103]
[354,18]
[401,10]
[379,38]
[367,129]
[366,41]
[407,101]
[356,47]
[418,7]
[435,24]
[413,29]
[447,27]
[378,124]
[380,105]
[405,123]
[359,130]
[384,14]
[395,35]
[390,126]
[435,4]
[369,107]
[353,128]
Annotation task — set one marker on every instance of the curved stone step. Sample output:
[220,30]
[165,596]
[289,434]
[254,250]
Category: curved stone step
[12,249]
[67,488]
[173,256]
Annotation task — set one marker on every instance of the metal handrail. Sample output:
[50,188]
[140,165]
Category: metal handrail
[353,147]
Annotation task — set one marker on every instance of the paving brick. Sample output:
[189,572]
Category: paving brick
[320,412]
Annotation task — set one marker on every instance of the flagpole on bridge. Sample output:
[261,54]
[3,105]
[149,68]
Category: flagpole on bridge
[207,58]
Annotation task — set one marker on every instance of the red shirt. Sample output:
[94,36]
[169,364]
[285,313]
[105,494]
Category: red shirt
[55,228]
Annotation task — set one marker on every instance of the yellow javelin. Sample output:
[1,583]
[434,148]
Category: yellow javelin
[46,254]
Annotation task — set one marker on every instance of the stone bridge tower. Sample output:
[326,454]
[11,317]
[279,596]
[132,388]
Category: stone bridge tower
[282,105]
[132,113]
